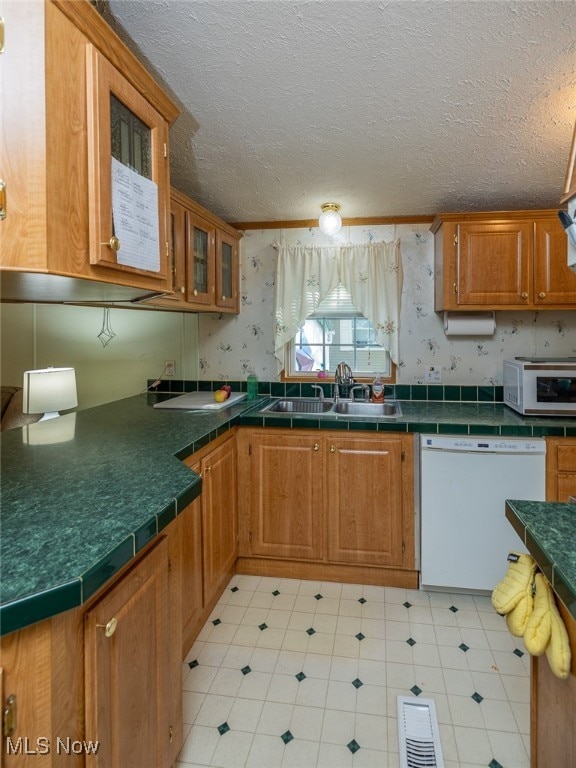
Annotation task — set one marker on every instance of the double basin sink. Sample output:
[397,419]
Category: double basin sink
[389,409]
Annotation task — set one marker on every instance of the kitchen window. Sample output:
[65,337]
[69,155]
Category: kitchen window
[337,332]
[338,303]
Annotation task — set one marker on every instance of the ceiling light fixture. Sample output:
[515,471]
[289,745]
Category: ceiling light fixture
[330,221]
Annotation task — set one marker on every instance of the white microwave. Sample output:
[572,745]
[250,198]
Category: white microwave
[541,386]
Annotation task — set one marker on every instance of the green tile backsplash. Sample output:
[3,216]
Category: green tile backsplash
[434,392]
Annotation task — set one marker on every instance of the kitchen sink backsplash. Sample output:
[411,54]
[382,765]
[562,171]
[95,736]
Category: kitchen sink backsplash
[436,392]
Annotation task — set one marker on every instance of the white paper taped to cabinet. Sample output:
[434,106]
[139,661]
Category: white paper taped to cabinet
[469,323]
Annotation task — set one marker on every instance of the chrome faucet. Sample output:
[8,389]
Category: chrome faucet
[343,376]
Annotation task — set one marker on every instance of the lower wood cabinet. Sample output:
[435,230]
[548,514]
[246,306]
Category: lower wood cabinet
[326,505]
[366,501]
[552,733]
[287,495]
[104,680]
[219,510]
[186,558]
[42,669]
[560,468]
[131,706]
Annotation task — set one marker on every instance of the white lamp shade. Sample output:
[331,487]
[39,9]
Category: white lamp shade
[49,389]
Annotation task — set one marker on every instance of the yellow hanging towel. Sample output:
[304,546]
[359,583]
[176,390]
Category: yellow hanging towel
[545,630]
[513,596]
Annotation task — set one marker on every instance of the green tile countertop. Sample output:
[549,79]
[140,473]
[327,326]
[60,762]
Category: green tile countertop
[549,533]
[75,512]
[444,417]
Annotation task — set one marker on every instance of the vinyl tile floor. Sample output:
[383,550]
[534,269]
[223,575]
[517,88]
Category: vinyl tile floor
[305,674]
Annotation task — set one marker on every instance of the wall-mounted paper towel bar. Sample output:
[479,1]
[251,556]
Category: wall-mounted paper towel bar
[469,323]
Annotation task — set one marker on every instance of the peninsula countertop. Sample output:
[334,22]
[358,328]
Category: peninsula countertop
[548,530]
[75,511]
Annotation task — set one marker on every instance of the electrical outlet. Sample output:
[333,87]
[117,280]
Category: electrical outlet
[433,374]
[170,367]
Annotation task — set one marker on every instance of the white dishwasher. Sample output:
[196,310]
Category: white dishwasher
[464,482]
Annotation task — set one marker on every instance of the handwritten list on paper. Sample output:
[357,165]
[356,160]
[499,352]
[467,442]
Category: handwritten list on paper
[135,216]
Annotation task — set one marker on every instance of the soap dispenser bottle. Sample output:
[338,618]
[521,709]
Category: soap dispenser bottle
[252,385]
[377,390]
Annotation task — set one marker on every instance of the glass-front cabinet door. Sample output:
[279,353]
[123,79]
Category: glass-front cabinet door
[178,251]
[128,175]
[226,270]
[200,249]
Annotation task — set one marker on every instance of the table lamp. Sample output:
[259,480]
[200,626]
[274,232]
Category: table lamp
[48,391]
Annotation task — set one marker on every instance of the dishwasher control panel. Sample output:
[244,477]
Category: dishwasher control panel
[482,444]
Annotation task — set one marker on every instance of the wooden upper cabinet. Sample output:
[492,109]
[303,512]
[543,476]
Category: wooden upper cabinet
[494,261]
[178,250]
[508,260]
[205,260]
[554,282]
[64,75]
[200,259]
[227,276]
[127,158]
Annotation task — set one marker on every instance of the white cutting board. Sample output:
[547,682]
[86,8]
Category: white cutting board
[194,401]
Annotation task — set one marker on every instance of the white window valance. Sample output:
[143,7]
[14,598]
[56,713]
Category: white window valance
[371,272]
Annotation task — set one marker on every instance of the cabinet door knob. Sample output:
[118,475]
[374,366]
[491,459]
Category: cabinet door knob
[524,295]
[113,243]
[109,628]
[182,289]
[316,447]
[332,449]
[541,295]
[195,291]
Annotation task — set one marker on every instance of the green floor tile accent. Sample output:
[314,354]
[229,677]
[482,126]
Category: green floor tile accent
[477,698]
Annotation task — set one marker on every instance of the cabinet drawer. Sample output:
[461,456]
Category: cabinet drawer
[567,458]
[566,486]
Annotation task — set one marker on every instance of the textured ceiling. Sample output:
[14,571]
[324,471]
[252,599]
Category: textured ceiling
[389,107]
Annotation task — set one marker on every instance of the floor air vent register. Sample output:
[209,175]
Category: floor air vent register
[418,735]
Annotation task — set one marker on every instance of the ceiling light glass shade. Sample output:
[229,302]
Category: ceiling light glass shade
[49,390]
[330,221]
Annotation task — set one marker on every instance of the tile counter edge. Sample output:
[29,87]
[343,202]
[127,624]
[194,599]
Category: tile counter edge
[536,523]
